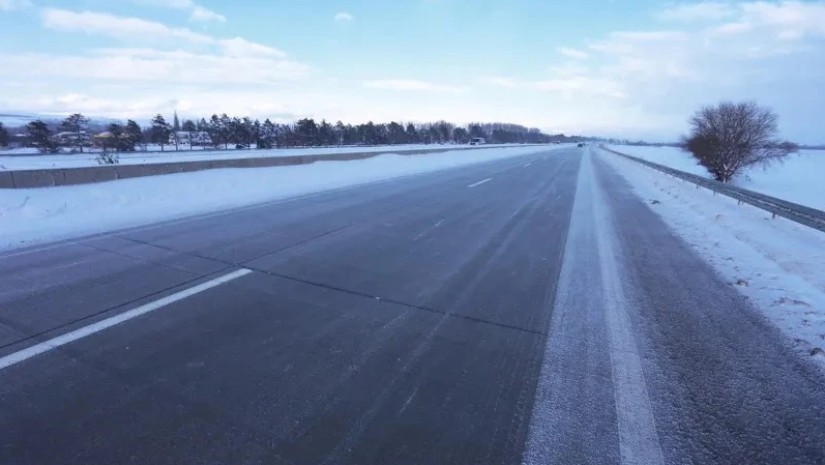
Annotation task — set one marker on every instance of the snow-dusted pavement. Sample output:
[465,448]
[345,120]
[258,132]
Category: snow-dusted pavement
[776,263]
[531,309]
[30,216]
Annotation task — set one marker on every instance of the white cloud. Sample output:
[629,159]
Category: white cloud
[136,30]
[565,84]
[117,27]
[692,12]
[789,20]
[771,51]
[582,86]
[196,12]
[343,17]
[573,53]
[499,81]
[240,47]
[10,5]
[144,65]
[190,57]
[412,85]
[201,14]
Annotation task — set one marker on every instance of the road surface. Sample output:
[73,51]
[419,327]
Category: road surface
[526,310]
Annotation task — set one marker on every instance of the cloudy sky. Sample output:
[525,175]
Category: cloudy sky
[630,68]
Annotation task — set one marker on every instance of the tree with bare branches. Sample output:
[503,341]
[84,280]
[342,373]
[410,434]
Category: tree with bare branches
[731,136]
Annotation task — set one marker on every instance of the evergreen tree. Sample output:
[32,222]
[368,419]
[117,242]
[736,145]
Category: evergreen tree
[326,135]
[267,135]
[216,131]
[176,122]
[189,126]
[133,135]
[445,130]
[226,130]
[307,132]
[340,132]
[40,136]
[395,133]
[4,136]
[160,131]
[412,134]
[113,142]
[476,131]
[76,124]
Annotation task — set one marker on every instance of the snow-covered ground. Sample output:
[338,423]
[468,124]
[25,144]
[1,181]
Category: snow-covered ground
[28,158]
[776,263]
[29,216]
[798,178]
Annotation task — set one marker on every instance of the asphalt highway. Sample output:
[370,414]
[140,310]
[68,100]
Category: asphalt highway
[525,310]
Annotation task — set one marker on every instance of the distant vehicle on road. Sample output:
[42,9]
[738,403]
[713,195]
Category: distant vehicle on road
[477,141]
[581,144]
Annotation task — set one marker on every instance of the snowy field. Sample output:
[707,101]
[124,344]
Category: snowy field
[30,216]
[775,263]
[28,158]
[798,178]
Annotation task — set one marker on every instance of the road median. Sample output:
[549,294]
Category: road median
[32,178]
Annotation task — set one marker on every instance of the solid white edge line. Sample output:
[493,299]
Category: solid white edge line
[63,339]
[638,436]
[480,182]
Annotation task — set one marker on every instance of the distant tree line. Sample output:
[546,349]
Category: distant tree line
[224,131]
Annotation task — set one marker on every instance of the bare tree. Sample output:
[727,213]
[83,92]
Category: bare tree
[731,136]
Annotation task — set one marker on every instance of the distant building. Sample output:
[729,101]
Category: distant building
[103,139]
[72,139]
[477,141]
[194,138]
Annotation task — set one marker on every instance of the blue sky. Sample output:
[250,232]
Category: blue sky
[615,68]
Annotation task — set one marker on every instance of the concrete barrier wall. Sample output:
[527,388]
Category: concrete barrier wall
[93,174]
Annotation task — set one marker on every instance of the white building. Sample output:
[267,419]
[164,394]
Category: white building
[194,138]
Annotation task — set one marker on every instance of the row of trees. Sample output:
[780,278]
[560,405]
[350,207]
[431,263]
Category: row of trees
[226,132]
[117,138]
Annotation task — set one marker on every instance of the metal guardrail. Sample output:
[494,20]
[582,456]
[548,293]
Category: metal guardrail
[801,214]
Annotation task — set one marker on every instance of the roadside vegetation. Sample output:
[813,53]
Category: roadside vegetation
[78,133]
[730,137]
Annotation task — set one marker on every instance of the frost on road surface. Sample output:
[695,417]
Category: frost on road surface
[29,216]
[775,263]
[591,284]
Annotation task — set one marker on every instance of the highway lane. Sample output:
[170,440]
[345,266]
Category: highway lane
[524,309]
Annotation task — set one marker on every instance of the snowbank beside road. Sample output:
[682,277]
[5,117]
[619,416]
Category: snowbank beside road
[796,179]
[23,159]
[774,262]
[30,216]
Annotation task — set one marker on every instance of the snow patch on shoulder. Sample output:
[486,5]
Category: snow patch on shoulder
[775,263]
